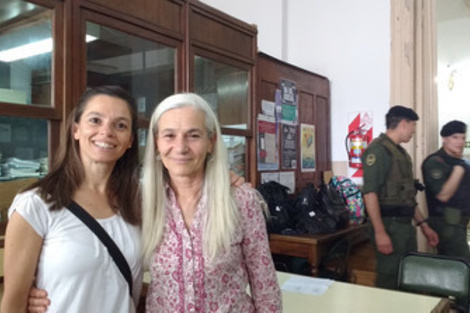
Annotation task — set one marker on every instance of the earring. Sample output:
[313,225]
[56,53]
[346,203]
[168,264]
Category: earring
[158,157]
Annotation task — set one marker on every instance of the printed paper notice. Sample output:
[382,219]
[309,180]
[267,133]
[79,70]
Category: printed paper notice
[289,102]
[287,179]
[269,176]
[289,150]
[267,143]
[307,148]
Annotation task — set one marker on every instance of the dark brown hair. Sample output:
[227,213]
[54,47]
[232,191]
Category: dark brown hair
[66,173]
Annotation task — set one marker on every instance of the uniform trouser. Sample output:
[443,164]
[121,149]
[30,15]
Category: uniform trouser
[452,235]
[403,236]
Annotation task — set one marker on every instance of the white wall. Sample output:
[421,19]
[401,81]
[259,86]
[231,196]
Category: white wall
[454,72]
[346,41]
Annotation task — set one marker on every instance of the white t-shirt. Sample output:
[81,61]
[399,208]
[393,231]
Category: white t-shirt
[75,268]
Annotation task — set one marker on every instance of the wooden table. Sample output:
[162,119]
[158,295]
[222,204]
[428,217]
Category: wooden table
[345,297]
[312,247]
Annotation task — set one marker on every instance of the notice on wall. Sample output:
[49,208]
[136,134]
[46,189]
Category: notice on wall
[269,176]
[268,108]
[268,156]
[289,102]
[307,148]
[289,150]
[287,179]
[284,178]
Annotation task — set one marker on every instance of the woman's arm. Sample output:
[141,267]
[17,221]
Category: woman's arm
[261,272]
[22,248]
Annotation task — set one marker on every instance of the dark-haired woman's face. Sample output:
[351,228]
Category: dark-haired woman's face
[104,131]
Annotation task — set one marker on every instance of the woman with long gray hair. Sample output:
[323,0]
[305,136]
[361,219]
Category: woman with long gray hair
[203,240]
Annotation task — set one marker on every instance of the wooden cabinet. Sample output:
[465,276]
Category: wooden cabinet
[149,47]
[313,108]
[164,15]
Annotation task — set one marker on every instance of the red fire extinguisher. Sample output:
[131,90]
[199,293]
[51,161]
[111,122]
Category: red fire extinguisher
[356,144]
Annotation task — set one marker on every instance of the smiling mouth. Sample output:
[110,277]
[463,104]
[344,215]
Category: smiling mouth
[104,145]
[181,160]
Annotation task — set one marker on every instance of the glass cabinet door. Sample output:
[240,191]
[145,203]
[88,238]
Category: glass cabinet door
[225,87]
[26,95]
[236,150]
[144,68]
[23,147]
[26,51]
[26,46]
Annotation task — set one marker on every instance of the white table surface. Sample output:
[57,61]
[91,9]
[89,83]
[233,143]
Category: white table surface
[344,298]
[351,298]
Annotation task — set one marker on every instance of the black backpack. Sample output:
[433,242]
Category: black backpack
[334,205]
[310,218]
[279,204]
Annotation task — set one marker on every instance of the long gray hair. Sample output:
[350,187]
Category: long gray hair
[223,215]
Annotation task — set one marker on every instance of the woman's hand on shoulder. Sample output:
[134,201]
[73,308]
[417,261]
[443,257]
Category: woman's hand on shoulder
[237,181]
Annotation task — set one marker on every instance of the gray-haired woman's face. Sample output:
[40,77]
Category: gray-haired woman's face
[183,143]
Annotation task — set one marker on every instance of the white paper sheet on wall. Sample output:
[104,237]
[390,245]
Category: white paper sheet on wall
[287,179]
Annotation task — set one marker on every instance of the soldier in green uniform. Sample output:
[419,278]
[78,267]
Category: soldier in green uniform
[389,196]
[447,179]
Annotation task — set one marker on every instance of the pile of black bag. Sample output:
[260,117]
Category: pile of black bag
[280,207]
[312,211]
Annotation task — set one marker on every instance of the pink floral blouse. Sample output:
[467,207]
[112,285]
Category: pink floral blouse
[183,280]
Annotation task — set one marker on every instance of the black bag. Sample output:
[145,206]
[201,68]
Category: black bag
[334,205]
[310,218]
[279,204]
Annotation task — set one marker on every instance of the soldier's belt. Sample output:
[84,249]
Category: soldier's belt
[398,211]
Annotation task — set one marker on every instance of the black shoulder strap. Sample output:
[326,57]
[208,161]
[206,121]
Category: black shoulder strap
[99,231]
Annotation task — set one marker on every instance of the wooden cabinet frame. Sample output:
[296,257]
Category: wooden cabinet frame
[189,26]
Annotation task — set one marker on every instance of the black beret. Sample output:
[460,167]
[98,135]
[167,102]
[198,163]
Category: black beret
[453,127]
[400,111]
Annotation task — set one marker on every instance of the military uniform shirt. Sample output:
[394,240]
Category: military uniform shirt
[376,163]
[435,173]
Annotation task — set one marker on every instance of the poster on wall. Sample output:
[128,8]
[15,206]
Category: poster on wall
[360,134]
[307,148]
[289,102]
[268,156]
[288,147]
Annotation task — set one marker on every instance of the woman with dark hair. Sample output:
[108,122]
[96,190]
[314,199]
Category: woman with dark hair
[96,169]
